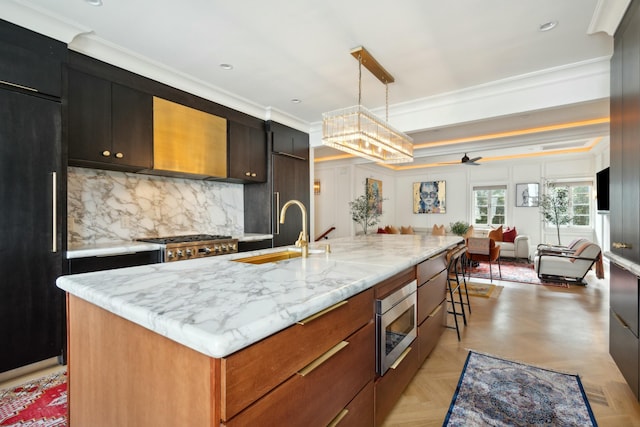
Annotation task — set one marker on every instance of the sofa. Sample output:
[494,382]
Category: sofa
[512,244]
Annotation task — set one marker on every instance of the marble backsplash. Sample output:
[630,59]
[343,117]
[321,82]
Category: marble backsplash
[106,206]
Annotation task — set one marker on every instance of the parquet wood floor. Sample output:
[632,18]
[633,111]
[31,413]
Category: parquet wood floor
[557,328]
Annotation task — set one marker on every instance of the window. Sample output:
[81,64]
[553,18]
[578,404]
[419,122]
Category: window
[579,195]
[489,205]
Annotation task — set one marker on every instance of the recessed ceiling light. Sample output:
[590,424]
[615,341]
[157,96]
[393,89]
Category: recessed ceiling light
[226,66]
[296,101]
[94,2]
[548,26]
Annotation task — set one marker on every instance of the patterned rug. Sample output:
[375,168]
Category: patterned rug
[498,392]
[483,290]
[37,403]
[513,270]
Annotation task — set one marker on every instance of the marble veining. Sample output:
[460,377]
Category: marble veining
[217,306]
[106,206]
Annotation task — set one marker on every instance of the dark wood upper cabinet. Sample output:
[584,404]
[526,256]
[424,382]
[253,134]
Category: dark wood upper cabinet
[289,141]
[247,153]
[30,60]
[110,125]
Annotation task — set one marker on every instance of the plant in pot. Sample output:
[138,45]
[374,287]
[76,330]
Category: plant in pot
[555,207]
[364,211]
[459,228]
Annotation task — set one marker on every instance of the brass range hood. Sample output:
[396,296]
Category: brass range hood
[188,142]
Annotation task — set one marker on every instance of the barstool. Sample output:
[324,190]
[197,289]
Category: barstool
[461,271]
[453,285]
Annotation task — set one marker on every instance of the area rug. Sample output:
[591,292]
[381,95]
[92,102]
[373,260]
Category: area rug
[37,403]
[483,290]
[497,392]
[520,271]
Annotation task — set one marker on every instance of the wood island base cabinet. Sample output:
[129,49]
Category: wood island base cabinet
[318,372]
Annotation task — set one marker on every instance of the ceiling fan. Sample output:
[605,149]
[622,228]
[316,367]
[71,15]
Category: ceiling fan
[464,161]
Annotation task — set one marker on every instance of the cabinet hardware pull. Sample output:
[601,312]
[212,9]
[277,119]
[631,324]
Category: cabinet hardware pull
[247,173]
[619,319]
[253,175]
[321,313]
[435,311]
[323,358]
[334,422]
[54,211]
[19,86]
[277,215]
[401,358]
[119,155]
[621,245]
[106,153]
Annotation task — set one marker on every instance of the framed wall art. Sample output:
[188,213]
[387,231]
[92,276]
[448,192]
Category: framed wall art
[429,197]
[527,195]
[374,190]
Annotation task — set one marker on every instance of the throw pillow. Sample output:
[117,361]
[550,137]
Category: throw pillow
[438,230]
[381,230]
[390,229]
[496,234]
[469,232]
[509,235]
[406,230]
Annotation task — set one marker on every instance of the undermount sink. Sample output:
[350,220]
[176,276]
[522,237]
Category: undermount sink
[278,256]
[271,257]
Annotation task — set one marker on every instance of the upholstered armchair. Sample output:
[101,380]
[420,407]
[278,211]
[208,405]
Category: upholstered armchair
[569,267]
[484,249]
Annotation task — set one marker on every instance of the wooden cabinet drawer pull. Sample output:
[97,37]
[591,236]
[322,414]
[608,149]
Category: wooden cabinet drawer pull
[621,245]
[334,422]
[400,359]
[323,358]
[321,313]
[435,311]
[619,319]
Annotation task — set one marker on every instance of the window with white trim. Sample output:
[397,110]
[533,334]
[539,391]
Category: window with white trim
[580,198]
[489,205]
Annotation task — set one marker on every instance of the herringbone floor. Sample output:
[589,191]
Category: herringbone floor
[556,328]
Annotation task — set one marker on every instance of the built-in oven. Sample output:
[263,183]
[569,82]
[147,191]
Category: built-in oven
[396,325]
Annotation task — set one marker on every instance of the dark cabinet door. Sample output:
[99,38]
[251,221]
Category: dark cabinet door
[132,127]
[289,141]
[110,125]
[247,153]
[89,110]
[290,181]
[31,306]
[30,60]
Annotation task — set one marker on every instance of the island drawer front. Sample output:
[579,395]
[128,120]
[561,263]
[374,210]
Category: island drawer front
[430,267]
[430,330]
[316,399]
[360,410]
[250,373]
[389,387]
[431,294]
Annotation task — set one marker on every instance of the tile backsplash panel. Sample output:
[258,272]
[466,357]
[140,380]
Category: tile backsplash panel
[106,206]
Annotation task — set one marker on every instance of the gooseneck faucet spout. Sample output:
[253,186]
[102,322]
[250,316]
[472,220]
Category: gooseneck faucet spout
[303,241]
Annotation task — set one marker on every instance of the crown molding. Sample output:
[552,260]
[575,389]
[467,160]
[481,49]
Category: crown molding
[607,16]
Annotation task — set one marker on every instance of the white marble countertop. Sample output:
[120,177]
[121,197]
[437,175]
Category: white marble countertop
[125,247]
[217,306]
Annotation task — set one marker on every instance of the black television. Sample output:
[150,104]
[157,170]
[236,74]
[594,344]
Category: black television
[602,189]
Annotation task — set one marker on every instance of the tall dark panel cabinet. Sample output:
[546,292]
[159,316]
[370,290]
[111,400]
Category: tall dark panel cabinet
[288,178]
[624,342]
[32,188]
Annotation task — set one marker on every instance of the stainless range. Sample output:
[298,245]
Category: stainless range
[177,248]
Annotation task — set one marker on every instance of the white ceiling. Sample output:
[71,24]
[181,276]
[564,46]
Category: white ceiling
[299,49]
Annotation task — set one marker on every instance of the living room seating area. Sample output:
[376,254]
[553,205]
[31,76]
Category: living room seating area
[512,244]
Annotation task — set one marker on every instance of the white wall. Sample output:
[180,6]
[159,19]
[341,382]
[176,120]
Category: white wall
[342,182]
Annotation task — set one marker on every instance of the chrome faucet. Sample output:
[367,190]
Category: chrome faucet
[303,241]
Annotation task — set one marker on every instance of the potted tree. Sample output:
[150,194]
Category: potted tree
[363,211]
[555,207]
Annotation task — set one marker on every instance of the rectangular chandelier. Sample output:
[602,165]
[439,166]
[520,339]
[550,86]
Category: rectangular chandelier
[358,131]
